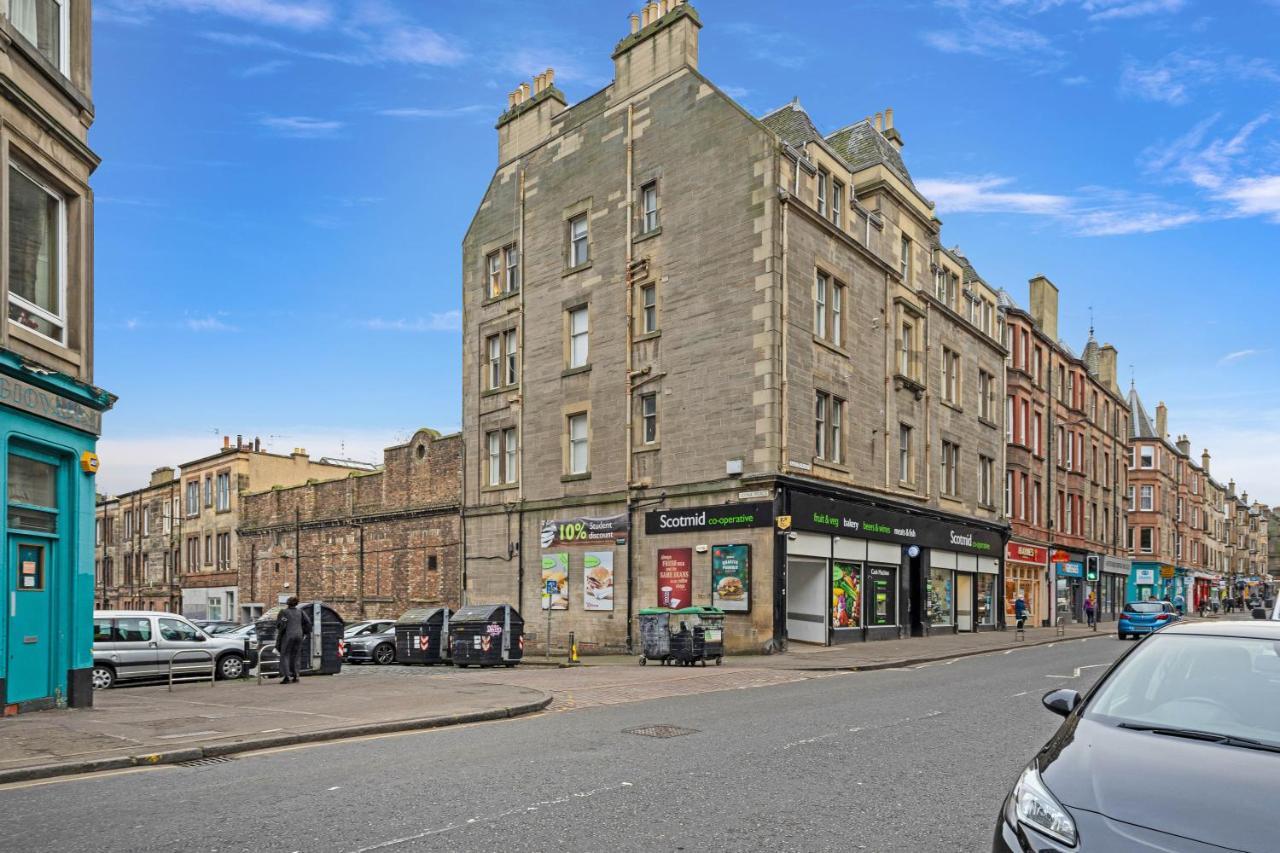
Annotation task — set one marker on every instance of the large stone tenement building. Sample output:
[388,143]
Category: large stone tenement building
[714,358]
[372,545]
[173,544]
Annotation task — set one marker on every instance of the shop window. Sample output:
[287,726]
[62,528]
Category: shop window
[846,595]
[941,604]
[32,494]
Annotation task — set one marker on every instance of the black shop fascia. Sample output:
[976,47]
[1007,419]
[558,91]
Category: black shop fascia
[886,570]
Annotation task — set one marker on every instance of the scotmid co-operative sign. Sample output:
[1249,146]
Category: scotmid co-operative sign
[841,518]
[722,517]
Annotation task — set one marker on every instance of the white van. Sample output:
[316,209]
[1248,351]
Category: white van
[139,644]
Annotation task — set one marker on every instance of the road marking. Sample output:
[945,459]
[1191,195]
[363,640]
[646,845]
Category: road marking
[189,734]
[581,795]
[1023,693]
[809,740]
[1076,672]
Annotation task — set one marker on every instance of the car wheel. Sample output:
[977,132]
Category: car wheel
[102,677]
[230,667]
[1122,635]
[384,654]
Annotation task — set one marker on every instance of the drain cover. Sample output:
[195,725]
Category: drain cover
[659,731]
[205,762]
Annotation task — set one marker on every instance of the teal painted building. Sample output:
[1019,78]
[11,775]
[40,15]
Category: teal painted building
[49,425]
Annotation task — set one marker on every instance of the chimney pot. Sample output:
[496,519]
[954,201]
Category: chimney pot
[257,445]
[550,77]
[662,8]
[635,24]
[879,121]
[539,83]
[888,118]
[524,92]
[239,441]
[226,441]
[653,12]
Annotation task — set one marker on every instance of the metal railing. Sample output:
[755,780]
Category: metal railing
[190,673]
[262,661]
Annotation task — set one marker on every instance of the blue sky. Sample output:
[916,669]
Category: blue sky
[286,184]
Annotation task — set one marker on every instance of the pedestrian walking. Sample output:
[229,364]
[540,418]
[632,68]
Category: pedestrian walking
[1088,610]
[1020,612]
[292,625]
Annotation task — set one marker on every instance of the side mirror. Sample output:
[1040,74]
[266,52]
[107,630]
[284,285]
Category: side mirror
[200,638]
[1259,613]
[1061,702]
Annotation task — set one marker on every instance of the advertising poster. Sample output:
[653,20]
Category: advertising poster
[583,531]
[597,580]
[555,581]
[846,596]
[675,577]
[731,577]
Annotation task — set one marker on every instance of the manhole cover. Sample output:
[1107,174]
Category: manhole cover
[205,762]
[659,731]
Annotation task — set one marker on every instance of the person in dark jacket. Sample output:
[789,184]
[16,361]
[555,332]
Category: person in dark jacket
[1020,611]
[292,625]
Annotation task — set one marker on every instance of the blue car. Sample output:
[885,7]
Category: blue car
[1144,617]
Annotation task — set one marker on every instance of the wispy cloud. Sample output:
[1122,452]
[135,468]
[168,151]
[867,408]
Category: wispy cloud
[1110,10]
[436,112]
[1256,196]
[292,14]
[1076,80]
[301,127]
[1232,357]
[449,321]
[1172,78]
[1089,212]
[991,37]
[208,323]
[770,44]
[262,69]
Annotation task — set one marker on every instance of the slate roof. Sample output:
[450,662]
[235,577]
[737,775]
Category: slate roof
[1140,423]
[792,124]
[1091,356]
[861,145]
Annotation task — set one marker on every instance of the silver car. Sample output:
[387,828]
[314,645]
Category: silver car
[130,645]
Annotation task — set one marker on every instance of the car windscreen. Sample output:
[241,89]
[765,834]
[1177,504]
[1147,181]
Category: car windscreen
[1144,607]
[1227,686]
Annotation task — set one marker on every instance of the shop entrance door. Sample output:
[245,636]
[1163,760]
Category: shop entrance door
[30,640]
[807,596]
[964,602]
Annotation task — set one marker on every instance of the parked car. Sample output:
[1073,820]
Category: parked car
[377,647]
[249,633]
[1143,617]
[1263,613]
[215,626]
[369,626]
[1171,750]
[139,644]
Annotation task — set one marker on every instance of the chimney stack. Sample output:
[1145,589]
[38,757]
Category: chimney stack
[891,132]
[1107,358]
[226,442]
[665,49]
[888,118]
[1044,306]
[239,441]
[257,445]
[1162,421]
[880,122]
[1184,446]
[1204,462]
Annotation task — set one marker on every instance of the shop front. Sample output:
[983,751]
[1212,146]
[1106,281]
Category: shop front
[1070,586]
[1111,587]
[858,571]
[1146,581]
[1025,568]
[49,425]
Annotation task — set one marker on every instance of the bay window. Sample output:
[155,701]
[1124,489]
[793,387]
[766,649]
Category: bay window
[37,256]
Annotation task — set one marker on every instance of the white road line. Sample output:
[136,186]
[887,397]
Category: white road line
[1076,672]
[1023,693]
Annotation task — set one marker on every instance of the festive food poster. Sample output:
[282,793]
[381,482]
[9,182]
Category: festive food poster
[597,580]
[731,577]
[675,577]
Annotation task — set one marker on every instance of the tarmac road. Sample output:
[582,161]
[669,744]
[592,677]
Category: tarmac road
[913,759]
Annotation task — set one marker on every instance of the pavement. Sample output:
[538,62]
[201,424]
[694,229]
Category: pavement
[133,726]
[905,759]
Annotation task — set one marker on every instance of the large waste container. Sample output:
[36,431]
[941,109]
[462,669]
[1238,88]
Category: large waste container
[685,636]
[422,635]
[486,635]
[320,652]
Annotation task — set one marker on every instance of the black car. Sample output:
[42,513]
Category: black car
[1172,750]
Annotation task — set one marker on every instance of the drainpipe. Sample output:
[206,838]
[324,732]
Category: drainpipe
[782,326]
[630,361]
[360,575]
[520,415]
[297,553]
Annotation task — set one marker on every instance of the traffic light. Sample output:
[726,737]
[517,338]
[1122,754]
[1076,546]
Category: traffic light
[1091,568]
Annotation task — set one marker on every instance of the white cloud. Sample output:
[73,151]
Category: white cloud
[262,69]
[1077,80]
[1257,196]
[993,38]
[1245,443]
[448,321]
[419,46]
[292,14]
[1172,78]
[207,323]
[436,112]
[301,127]
[1232,357]
[1108,10]
[1090,212]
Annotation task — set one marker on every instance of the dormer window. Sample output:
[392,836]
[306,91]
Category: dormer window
[45,24]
